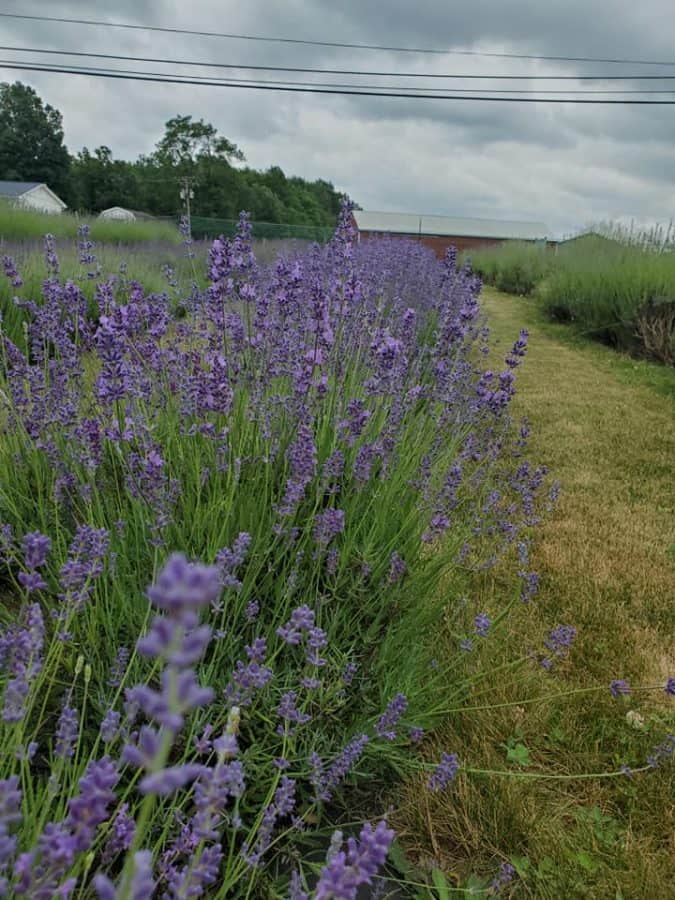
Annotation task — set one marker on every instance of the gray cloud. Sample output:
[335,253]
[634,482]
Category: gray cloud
[566,165]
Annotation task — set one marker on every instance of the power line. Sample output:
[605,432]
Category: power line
[305,89]
[334,44]
[412,91]
[318,71]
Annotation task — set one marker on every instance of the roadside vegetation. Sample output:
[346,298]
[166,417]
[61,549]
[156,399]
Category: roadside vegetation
[612,287]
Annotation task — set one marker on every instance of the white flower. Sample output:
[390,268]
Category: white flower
[634,719]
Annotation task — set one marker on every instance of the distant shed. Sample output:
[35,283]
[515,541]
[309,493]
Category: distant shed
[441,232]
[120,214]
[33,195]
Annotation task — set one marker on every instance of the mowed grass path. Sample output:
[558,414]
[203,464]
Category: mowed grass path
[605,426]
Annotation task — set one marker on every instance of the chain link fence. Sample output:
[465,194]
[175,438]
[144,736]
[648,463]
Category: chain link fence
[204,227]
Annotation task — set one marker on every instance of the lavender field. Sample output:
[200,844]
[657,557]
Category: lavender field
[235,519]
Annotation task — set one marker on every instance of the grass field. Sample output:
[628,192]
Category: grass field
[605,425]
[18,225]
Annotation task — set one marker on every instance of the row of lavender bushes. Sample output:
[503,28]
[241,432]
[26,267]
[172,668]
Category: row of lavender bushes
[321,434]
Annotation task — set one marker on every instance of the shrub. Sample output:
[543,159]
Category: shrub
[515,268]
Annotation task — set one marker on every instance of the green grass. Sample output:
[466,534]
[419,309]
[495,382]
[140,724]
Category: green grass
[19,225]
[606,427]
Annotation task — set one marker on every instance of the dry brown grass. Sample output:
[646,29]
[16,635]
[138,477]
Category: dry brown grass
[607,561]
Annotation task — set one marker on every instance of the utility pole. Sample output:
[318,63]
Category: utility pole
[187,194]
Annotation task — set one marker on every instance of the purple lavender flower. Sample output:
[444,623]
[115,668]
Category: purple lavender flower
[302,457]
[10,814]
[619,688]
[247,679]
[121,834]
[229,560]
[35,547]
[21,655]
[482,624]
[302,619]
[142,884]
[86,556]
[327,525]
[164,782]
[326,781]
[670,687]
[397,568]
[183,587]
[11,271]
[90,808]
[416,734]
[66,732]
[505,876]
[118,667]
[291,715]
[445,773]
[32,581]
[385,727]
[345,872]
[110,725]
[661,752]
[316,640]
[295,891]
[281,807]
[560,640]
[252,611]
[518,350]
[349,672]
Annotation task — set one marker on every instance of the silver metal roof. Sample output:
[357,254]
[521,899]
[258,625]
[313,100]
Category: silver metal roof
[17,188]
[448,226]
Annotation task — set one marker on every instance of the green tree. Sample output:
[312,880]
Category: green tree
[31,139]
[99,181]
[186,144]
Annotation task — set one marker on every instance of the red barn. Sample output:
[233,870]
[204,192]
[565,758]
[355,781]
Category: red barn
[441,232]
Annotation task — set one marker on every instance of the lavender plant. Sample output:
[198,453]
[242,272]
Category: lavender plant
[323,434]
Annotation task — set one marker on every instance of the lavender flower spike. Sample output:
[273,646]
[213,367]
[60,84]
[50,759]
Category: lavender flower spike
[445,773]
[619,688]
[385,725]
[342,876]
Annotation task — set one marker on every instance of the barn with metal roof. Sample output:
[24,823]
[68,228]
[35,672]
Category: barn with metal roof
[441,232]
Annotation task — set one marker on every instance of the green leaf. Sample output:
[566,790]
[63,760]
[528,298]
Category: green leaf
[441,884]
[521,864]
[586,861]
[518,754]
[402,863]
[546,867]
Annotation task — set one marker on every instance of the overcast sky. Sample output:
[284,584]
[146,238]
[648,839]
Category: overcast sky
[564,165]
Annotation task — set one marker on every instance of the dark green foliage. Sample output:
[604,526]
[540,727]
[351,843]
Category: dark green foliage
[32,149]
[194,150]
[31,139]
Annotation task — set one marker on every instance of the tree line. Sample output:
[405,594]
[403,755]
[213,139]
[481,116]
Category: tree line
[32,148]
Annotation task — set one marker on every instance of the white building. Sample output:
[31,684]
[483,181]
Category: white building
[31,195]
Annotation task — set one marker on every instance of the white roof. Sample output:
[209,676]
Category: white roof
[411,223]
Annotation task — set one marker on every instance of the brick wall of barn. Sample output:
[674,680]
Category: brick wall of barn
[440,244]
